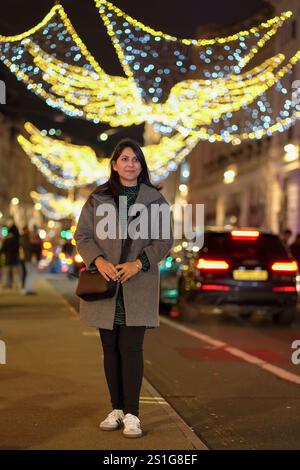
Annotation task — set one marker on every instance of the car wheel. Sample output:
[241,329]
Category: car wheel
[285,316]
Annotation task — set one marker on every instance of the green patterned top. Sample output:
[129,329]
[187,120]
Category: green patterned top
[120,319]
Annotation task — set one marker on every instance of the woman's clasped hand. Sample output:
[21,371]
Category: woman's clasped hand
[121,272]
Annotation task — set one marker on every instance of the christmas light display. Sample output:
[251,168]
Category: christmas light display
[158,61]
[258,119]
[64,164]
[71,166]
[57,207]
[55,64]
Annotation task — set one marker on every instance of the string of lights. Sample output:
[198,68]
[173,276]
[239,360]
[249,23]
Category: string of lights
[105,6]
[227,104]
[57,207]
[157,60]
[67,165]
[64,164]
[185,99]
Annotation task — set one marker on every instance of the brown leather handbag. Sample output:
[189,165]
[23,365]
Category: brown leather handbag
[93,286]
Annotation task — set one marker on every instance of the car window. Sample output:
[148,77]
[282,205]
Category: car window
[266,246]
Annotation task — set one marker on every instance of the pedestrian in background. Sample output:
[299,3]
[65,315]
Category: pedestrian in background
[286,236]
[123,319]
[10,249]
[295,249]
[36,245]
[29,265]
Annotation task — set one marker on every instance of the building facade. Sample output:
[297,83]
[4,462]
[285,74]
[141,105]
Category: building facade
[18,177]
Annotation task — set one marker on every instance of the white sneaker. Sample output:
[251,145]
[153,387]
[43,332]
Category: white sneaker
[132,426]
[113,421]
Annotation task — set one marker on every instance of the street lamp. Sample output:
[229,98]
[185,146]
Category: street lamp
[291,152]
[230,174]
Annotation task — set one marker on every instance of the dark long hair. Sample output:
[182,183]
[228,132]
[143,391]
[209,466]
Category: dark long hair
[113,185]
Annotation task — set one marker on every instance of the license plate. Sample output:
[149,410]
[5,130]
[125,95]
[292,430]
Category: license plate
[250,275]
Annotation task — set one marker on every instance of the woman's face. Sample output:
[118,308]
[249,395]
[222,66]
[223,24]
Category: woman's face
[128,167]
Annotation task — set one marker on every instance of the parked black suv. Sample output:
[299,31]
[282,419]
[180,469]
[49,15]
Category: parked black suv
[238,272]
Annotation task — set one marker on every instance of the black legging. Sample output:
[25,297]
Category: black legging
[124,365]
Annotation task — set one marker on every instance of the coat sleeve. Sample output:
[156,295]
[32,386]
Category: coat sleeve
[84,235]
[160,247]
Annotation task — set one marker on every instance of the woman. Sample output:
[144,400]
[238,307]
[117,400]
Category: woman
[122,320]
[10,249]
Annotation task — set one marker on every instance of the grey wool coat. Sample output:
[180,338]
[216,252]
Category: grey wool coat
[141,291]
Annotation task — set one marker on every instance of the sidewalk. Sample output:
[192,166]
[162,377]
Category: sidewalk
[53,392]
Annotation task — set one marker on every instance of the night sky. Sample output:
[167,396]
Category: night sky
[178,18]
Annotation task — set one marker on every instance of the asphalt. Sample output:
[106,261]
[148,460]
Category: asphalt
[53,392]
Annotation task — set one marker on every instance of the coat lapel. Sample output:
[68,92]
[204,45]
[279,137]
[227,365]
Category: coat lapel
[146,196]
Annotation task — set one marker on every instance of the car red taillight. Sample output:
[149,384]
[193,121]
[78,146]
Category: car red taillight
[214,287]
[283,266]
[211,264]
[245,234]
[284,289]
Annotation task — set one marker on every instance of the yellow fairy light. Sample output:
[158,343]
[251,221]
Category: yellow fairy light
[199,42]
[236,139]
[186,98]
[82,165]
[79,163]
[33,30]
[57,207]
[84,90]
[110,13]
